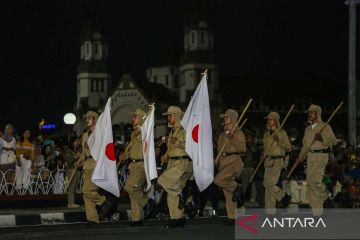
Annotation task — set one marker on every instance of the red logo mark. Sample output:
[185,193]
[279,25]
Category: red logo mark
[195,133]
[242,221]
[110,152]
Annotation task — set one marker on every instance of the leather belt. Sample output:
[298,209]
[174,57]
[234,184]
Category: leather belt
[8,149]
[320,151]
[179,158]
[274,157]
[136,160]
[229,154]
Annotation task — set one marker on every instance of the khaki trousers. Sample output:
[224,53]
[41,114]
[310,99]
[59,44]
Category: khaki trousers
[73,184]
[134,185]
[173,180]
[271,177]
[229,168]
[91,196]
[316,189]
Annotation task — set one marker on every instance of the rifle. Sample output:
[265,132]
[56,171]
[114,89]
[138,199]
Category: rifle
[275,133]
[312,142]
[232,130]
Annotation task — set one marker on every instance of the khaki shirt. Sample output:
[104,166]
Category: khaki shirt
[278,148]
[177,149]
[70,158]
[135,151]
[89,163]
[327,135]
[236,143]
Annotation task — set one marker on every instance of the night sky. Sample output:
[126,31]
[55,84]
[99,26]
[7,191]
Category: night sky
[280,49]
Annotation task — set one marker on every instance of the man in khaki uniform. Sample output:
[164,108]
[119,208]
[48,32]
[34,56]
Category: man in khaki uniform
[230,162]
[89,189]
[317,157]
[71,155]
[276,148]
[179,167]
[136,179]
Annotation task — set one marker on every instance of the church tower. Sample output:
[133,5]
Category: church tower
[93,77]
[199,55]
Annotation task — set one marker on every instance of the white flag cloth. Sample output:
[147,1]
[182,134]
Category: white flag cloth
[199,145]
[102,150]
[147,137]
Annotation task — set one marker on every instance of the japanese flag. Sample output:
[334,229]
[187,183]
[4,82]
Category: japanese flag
[199,146]
[147,137]
[102,150]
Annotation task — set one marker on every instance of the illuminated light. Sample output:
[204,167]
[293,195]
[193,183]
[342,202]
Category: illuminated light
[41,123]
[69,118]
[48,126]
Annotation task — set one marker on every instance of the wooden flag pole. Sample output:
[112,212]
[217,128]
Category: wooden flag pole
[232,130]
[312,142]
[275,133]
[131,142]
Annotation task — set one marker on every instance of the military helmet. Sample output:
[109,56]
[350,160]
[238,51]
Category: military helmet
[138,112]
[317,109]
[275,116]
[92,114]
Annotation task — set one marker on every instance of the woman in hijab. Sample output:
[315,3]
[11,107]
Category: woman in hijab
[7,154]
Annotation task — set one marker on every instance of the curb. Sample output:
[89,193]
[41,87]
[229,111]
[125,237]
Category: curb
[14,220]
[42,218]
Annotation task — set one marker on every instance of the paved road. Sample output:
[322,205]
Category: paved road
[195,229]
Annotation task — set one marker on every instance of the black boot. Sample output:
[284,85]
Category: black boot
[237,194]
[285,201]
[191,208]
[181,201]
[328,203]
[148,208]
[104,208]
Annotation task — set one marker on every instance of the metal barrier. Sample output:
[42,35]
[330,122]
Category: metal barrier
[45,182]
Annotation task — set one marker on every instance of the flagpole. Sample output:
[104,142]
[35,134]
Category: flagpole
[312,142]
[272,142]
[232,130]
[242,125]
[176,130]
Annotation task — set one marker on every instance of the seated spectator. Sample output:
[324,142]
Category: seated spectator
[7,154]
[39,162]
[49,157]
[59,175]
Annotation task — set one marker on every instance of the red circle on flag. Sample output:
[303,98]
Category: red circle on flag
[195,133]
[145,146]
[110,152]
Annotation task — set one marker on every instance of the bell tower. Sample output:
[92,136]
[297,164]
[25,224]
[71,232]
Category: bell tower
[93,77]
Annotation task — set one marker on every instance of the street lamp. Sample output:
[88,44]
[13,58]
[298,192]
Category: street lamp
[69,119]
